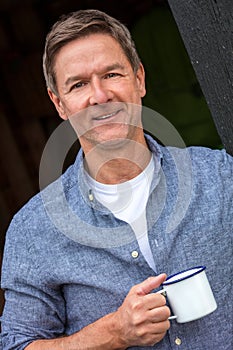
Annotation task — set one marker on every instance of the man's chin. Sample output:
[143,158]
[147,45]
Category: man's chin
[108,137]
[113,143]
[105,143]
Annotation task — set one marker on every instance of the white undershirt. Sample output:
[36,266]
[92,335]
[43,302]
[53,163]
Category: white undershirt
[127,201]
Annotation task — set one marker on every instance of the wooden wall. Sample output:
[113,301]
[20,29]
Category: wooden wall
[206,27]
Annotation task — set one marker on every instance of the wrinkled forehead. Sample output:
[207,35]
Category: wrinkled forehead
[96,52]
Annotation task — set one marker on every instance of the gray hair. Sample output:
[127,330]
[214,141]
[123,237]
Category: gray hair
[80,24]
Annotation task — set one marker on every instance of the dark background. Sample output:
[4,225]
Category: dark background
[26,113]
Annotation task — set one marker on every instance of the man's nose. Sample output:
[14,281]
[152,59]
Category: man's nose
[99,92]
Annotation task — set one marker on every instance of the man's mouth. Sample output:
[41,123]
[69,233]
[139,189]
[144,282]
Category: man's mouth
[107,116]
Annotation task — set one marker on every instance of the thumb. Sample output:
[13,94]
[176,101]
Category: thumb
[149,284]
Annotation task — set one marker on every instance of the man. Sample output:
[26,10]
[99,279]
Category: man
[84,258]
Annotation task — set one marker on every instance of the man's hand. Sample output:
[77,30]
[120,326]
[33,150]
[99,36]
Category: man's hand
[142,320]
[143,316]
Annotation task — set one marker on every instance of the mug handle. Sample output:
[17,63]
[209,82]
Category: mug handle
[164,293]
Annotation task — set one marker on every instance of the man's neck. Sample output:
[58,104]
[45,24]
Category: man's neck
[118,171]
[117,165]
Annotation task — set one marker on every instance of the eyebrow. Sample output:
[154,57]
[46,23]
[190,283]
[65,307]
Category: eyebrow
[114,66]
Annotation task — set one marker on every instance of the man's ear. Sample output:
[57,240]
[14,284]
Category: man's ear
[140,76]
[58,104]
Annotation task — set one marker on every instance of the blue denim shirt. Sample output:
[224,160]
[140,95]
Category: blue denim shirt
[68,261]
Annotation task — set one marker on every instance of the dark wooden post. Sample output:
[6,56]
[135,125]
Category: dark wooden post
[206,27]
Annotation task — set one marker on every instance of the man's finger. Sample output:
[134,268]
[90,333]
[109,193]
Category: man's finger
[149,284]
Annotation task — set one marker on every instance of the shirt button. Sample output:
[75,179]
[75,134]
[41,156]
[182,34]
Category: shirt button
[178,341]
[134,254]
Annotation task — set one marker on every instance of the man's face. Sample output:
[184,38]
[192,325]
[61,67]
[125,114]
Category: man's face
[97,89]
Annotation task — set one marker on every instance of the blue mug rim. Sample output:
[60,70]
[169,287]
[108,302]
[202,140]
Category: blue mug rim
[200,269]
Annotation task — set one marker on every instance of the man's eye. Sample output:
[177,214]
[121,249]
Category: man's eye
[112,75]
[78,85]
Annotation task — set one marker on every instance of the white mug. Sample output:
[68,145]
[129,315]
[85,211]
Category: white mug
[189,294]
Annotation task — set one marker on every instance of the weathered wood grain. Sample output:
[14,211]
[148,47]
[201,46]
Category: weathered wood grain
[206,27]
